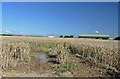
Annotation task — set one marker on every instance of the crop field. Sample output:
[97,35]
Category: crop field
[59,57]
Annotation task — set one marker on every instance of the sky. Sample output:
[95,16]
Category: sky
[60,18]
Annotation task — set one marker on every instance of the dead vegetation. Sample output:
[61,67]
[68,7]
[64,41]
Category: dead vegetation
[60,52]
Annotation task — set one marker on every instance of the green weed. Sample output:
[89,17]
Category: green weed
[66,67]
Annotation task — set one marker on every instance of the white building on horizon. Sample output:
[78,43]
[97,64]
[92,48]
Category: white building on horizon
[51,36]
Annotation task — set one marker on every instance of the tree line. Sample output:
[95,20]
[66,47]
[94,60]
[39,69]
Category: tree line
[66,36]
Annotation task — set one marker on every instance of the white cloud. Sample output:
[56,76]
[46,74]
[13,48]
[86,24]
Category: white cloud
[21,33]
[96,31]
[8,31]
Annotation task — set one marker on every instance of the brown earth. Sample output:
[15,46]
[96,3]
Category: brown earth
[36,68]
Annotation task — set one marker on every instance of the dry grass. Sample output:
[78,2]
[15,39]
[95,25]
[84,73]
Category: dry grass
[101,52]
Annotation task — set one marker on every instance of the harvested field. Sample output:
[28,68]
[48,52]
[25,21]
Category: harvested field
[65,57]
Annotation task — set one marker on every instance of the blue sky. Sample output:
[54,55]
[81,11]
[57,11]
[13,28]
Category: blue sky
[56,18]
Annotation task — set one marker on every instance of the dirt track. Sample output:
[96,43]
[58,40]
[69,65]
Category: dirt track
[80,67]
[36,68]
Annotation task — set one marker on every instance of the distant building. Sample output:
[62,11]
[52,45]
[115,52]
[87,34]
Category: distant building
[111,38]
[51,36]
[95,36]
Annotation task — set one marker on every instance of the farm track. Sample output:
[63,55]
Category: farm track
[35,68]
